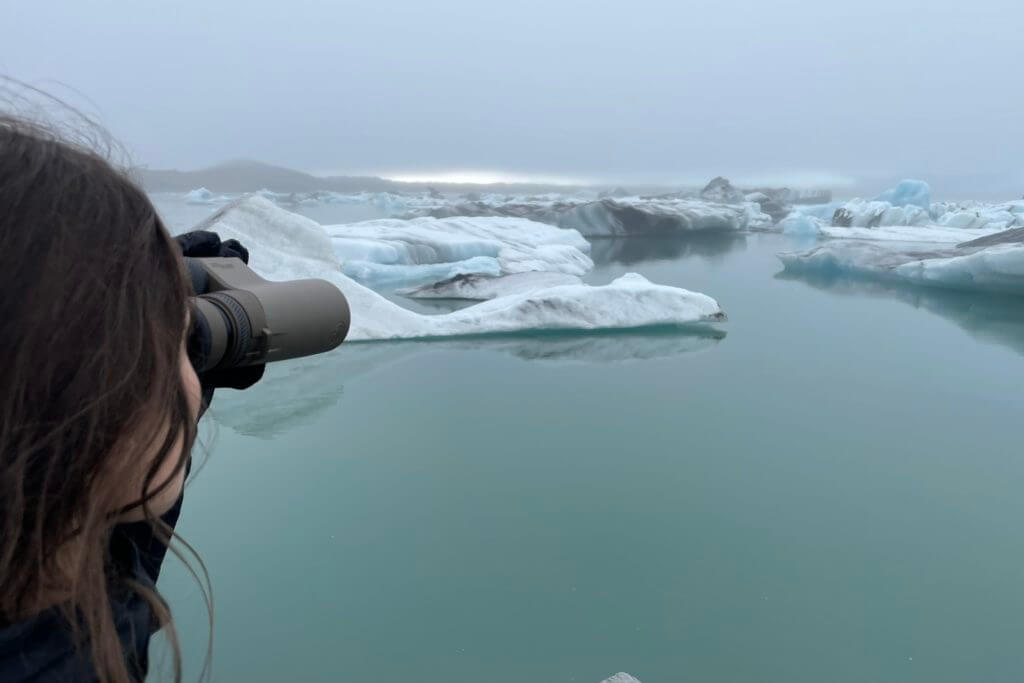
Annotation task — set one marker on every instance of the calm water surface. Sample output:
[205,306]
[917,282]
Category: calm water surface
[828,492]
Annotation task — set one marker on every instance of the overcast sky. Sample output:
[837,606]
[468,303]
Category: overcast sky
[640,90]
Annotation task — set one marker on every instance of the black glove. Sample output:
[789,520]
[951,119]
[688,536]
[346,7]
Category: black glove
[205,244]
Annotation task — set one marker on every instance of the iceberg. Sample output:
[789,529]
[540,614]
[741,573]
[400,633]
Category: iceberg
[204,196]
[932,234]
[909,205]
[284,245]
[653,216]
[481,288]
[859,213]
[908,193]
[800,224]
[484,245]
[722,191]
[391,201]
[823,212]
[627,216]
[979,216]
[992,264]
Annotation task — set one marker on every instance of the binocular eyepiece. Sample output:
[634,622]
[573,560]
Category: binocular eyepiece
[239,319]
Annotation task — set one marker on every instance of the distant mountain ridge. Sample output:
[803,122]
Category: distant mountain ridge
[249,176]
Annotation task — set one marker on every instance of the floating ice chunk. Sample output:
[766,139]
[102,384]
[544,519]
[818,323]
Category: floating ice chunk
[823,212]
[859,213]
[932,234]
[631,301]
[651,216]
[284,245]
[511,245]
[908,193]
[800,224]
[204,196]
[721,190]
[998,268]
[621,677]
[271,195]
[993,269]
[974,216]
[482,288]
[622,217]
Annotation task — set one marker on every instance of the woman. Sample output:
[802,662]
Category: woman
[98,410]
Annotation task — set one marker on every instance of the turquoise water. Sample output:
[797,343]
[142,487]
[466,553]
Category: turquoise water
[827,492]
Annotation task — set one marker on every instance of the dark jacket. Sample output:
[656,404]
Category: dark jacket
[40,649]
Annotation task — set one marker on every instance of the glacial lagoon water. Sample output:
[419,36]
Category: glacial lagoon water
[828,491]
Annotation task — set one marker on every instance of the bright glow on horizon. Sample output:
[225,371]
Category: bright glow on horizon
[480,177]
[796,179]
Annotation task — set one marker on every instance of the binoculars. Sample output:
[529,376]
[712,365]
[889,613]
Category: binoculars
[241,320]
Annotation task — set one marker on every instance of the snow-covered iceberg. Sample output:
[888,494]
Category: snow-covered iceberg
[931,234]
[389,252]
[908,193]
[626,216]
[908,206]
[653,216]
[283,246]
[991,264]
[801,224]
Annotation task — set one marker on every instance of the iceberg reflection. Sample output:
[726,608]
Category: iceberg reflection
[996,318]
[294,393]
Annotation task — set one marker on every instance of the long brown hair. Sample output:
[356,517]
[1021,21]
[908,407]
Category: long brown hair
[93,300]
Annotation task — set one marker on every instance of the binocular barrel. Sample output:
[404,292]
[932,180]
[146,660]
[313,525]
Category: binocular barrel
[240,319]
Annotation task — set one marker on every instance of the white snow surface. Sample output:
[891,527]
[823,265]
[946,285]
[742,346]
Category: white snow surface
[383,276]
[904,213]
[908,193]
[998,268]
[800,224]
[513,245]
[284,246]
[203,196]
[931,234]
[621,677]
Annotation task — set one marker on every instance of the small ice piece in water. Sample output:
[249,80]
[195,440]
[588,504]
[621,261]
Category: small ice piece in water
[621,677]
[203,196]
[483,288]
